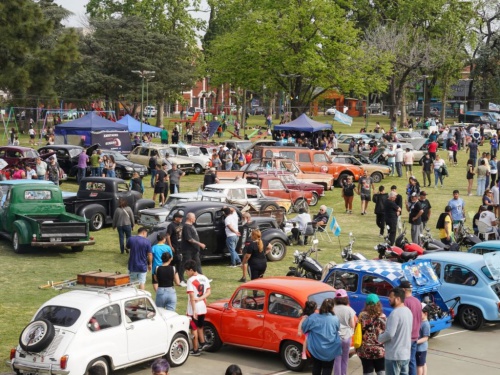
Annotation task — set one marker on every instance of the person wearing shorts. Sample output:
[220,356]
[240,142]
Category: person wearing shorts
[365,188]
[423,341]
[198,290]
[408,161]
[140,259]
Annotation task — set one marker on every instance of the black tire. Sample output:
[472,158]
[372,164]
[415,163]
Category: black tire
[278,250]
[198,169]
[18,248]
[269,207]
[470,317]
[314,199]
[341,177]
[77,249]
[118,173]
[37,336]
[291,356]
[212,338]
[99,362]
[300,203]
[434,334]
[96,221]
[377,177]
[178,352]
[293,273]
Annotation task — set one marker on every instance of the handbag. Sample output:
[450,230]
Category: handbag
[357,338]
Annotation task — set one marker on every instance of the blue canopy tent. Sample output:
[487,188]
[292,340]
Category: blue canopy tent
[134,126]
[303,124]
[91,129]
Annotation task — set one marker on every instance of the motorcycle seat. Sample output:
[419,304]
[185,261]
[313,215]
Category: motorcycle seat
[408,255]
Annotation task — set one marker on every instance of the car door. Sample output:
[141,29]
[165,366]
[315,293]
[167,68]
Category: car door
[378,285]
[205,226]
[276,189]
[6,224]
[305,163]
[219,236]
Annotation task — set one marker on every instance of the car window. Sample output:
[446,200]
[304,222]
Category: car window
[280,304]
[122,187]
[95,186]
[204,219]
[61,154]
[287,154]
[144,151]
[236,194]
[320,297]
[275,185]
[249,299]
[2,153]
[437,269]
[39,195]
[139,309]
[375,284]
[320,158]
[253,193]
[480,250]
[107,317]
[454,274]
[59,315]
[304,157]
[342,279]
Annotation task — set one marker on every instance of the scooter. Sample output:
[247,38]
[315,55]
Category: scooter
[306,266]
[347,254]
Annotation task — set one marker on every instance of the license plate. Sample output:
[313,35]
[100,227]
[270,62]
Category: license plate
[55,239]
[141,173]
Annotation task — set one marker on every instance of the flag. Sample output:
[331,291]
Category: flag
[343,118]
[335,227]
[212,128]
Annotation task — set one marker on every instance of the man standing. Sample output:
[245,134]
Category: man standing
[94,164]
[191,244]
[432,148]
[365,188]
[472,149]
[399,160]
[164,136]
[397,335]
[41,168]
[457,205]
[415,307]
[232,234]
[416,212]
[83,159]
[390,156]
[173,239]
[426,206]
[174,176]
[210,177]
[391,214]
[152,168]
[427,166]
[380,199]
[141,258]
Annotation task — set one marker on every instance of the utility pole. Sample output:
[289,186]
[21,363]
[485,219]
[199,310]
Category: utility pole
[143,74]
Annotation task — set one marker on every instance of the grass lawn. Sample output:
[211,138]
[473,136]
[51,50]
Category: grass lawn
[21,275]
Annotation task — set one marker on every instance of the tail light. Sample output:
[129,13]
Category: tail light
[34,237]
[12,354]
[92,238]
[63,362]
[498,305]
[452,313]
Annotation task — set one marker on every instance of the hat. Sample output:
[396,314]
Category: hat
[372,299]
[423,192]
[340,293]
[405,284]
[178,214]
[413,195]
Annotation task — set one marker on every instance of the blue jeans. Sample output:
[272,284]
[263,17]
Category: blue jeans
[437,176]
[231,243]
[95,172]
[393,367]
[229,165]
[413,359]
[124,231]
[166,298]
[481,186]
[392,165]
[81,174]
[111,173]
[153,177]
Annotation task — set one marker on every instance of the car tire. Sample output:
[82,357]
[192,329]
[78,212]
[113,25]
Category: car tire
[212,338]
[269,207]
[341,177]
[37,336]
[377,177]
[314,199]
[118,173]
[291,356]
[77,249]
[198,169]
[18,248]
[178,352]
[278,250]
[300,203]
[434,334]
[96,221]
[99,362]
[470,317]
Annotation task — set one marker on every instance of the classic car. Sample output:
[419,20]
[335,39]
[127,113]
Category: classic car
[419,150]
[190,154]
[264,314]
[376,171]
[362,277]
[110,328]
[292,182]
[142,154]
[210,227]
[474,280]
[485,247]
[15,155]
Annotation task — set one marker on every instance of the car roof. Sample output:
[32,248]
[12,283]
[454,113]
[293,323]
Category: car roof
[390,270]
[154,145]
[61,147]
[18,148]
[492,245]
[197,205]
[25,182]
[290,285]
[467,259]
[231,186]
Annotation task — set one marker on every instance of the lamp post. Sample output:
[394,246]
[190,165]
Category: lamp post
[143,74]
[466,92]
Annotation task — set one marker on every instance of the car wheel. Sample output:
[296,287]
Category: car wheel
[118,173]
[37,336]
[269,207]
[18,248]
[434,334]
[291,355]
[314,199]
[341,177]
[300,203]
[278,250]
[77,249]
[198,169]
[178,351]
[377,177]
[99,362]
[470,317]
[212,338]
[96,221]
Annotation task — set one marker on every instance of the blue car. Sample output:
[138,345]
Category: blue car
[474,280]
[362,277]
[485,247]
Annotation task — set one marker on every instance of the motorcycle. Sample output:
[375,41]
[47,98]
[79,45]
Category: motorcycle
[430,244]
[407,246]
[306,266]
[402,251]
[464,237]
[347,254]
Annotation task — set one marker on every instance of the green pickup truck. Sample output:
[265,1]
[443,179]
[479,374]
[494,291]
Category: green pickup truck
[32,213]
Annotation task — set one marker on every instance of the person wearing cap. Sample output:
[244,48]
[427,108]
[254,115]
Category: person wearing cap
[397,337]
[210,177]
[422,342]
[415,218]
[347,320]
[399,160]
[173,239]
[426,206]
[391,215]
[415,307]
[174,176]
[373,322]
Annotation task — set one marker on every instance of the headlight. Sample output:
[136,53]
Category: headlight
[129,169]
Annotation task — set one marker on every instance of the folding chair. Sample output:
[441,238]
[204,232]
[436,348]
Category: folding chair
[325,230]
[485,231]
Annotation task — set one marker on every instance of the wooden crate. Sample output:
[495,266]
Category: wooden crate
[104,279]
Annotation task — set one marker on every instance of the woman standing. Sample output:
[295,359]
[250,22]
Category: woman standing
[453,147]
[347,319]
[470,176]
[323,340]
[105,162]
[438,175]
[111,166]
[123,221]
[444,226]
[373,321]
[493,171]
[166,276]
[255,256]
[481,171]
[348,194]
[136,183]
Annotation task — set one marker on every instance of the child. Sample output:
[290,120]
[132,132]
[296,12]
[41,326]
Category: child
[422,343]
[309,309]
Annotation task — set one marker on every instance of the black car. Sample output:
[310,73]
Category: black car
[67,157]
[210,227]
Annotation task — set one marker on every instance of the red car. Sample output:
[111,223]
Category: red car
[14,155]
[264,314]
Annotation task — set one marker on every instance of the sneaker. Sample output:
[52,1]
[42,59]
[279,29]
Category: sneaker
[183,284]
[232,266]
[242,280]
[196,353]
[202,346]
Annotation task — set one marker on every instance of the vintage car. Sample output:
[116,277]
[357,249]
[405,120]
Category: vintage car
[419,149]
[142,154]
[264,314]
[211,229]
[15,155]
[362,277]
[376,171]
[190,154]
[246,195]
[111,328]
[485,247]
[291,182]
[474,280]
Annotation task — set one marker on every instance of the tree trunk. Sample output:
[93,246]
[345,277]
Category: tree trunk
[276,105]
[243,111]
[159,112]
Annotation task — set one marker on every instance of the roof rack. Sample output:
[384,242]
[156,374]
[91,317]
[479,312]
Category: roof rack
[73,285]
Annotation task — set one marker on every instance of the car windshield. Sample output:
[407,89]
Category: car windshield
[320,297]
[243,146]
[59,315]
[193,151]
[74,152]
[487,272]
[118,156]
[31,154]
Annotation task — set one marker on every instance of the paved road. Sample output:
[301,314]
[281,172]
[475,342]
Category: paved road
[455,351]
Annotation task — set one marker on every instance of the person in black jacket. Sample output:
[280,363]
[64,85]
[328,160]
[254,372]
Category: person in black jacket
[210,177]
[379,199]
[391,215]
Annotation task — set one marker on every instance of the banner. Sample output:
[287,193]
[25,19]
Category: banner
[112,140]
[343,118]
[212,128]
[335,227]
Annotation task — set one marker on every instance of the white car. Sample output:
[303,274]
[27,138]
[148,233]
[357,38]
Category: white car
[191,154]
[330,111]
[112,328]
[142,154]
[150,111]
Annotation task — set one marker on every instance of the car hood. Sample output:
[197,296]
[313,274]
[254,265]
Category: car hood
[492,261]
[421,275]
